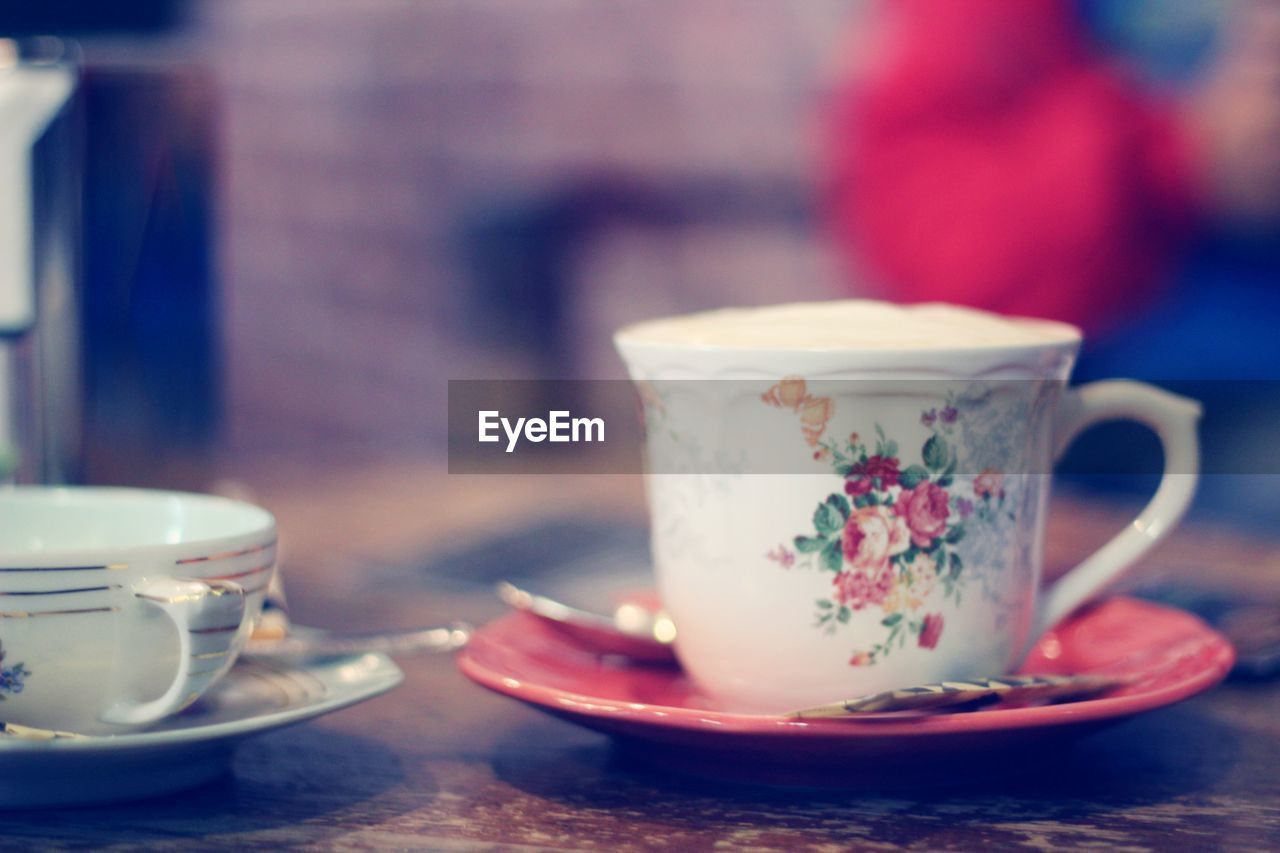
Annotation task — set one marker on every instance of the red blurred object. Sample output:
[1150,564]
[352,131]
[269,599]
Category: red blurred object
[987,155]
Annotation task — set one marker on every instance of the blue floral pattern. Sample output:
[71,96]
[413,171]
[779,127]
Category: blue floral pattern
[12,678]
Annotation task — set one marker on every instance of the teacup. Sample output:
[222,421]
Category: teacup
[119,607]
[851,497]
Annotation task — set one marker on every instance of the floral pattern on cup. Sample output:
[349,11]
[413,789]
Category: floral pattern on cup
[12,678]
[815,412]
[889,535]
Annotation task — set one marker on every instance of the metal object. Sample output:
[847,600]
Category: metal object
[13,730]
[645,635]
[633,631]
[303,642]
[973,692]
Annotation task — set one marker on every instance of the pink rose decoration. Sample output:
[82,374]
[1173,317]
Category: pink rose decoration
[930,631]
[988,483]
[884,468]
[857,487]
[857,589]
[925,510]
[871,536]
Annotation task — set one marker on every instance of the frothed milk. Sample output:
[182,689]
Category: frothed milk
[849,324]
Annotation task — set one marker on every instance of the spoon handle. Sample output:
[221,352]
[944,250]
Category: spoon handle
[302,642]
[944,694]
[13,730]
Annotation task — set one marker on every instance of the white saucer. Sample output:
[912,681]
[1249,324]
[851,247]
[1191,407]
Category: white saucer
[195,746]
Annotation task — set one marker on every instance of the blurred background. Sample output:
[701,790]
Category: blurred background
[302,218]
[278,227]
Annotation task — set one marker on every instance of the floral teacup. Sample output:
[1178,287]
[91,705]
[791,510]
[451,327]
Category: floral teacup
[834,520]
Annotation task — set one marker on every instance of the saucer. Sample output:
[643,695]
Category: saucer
[197,745]
[1170,655]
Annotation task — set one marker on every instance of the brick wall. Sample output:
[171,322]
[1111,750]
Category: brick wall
[366,141]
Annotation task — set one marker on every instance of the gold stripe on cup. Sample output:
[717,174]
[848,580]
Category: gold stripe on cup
[226,555]
[172,599]
[230,577]
[28,614]
[108,567]
[105,588]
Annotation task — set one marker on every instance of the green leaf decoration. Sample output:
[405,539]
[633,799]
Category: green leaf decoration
[862,500]
[844,468]
[955,534]
[841,504]
[948,475]
[809,544]
[824,604]
[827,519]
[845,613]
[936,453]
[891,620]
[891,448]
[913,476]
[957,565]
[832,558]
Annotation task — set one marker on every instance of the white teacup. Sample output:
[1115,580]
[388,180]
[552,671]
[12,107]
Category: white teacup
[850,497]
[122,606]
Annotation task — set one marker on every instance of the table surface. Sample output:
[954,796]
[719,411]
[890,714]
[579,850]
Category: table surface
[441,763]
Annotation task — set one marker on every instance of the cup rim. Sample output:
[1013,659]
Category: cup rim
[260,521]
[1069,336]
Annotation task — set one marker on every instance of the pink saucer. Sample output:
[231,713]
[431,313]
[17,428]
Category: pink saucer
[1171,654]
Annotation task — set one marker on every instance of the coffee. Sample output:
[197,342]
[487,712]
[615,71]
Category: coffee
[852,324]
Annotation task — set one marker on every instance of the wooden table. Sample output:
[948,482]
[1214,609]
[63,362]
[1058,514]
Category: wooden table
[442,764]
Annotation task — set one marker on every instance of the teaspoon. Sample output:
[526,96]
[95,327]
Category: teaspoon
[303,642]
[633,631]
[646,635]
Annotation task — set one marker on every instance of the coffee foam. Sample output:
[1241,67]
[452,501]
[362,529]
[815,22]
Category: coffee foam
[853,324]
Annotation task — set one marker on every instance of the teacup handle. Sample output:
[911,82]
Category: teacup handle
[1174,420]
[209,616]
